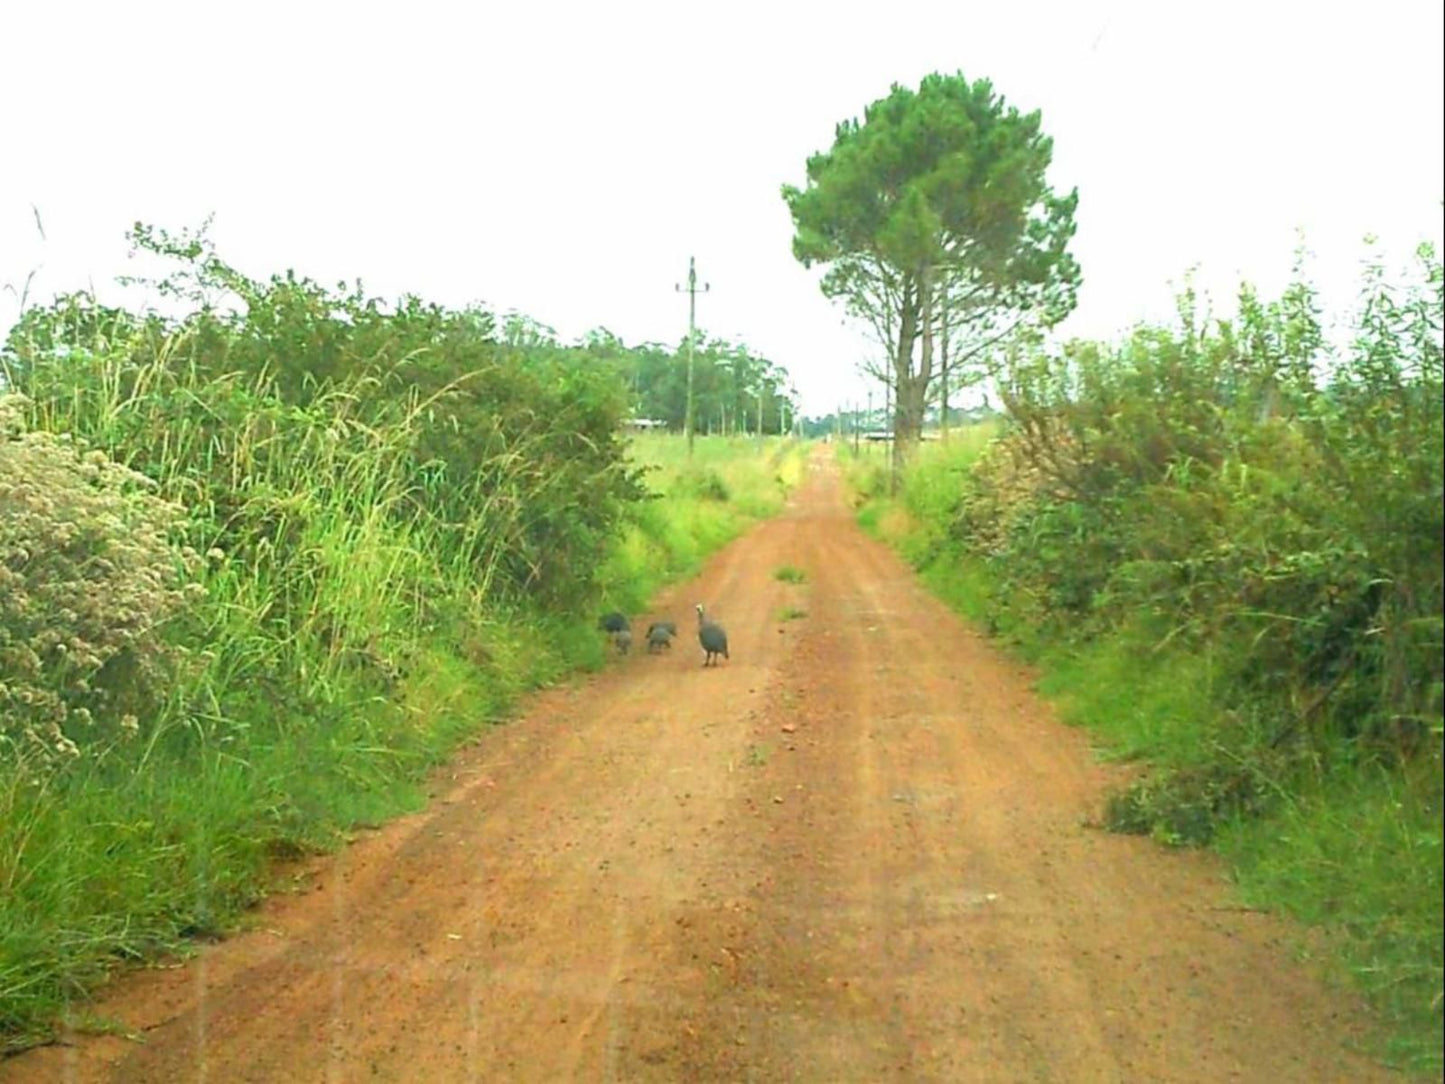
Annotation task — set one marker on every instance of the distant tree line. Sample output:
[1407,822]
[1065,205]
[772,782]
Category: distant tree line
[733,386]
[879,418]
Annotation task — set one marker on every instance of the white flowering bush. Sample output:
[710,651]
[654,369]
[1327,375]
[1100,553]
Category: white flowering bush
[89,574]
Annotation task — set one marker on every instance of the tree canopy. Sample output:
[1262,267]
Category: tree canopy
[731,382]
[933,215]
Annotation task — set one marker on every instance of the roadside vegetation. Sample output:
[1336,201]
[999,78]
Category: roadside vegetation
[265,562]
[1221,541]
[694,508]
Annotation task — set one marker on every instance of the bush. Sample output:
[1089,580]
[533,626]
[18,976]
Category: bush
[90,572]
[1239,486]
[1186,806]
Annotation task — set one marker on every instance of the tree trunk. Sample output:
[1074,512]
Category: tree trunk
[908,420]
[943,371]
[903,379]
[925,366]
[911,388]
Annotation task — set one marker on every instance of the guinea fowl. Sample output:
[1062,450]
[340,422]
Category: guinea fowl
[618,628]
[712,637]
[659,636]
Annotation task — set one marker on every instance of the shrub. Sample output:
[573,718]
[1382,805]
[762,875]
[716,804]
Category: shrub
[89,573]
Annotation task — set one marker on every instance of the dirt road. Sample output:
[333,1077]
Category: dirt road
[853,852]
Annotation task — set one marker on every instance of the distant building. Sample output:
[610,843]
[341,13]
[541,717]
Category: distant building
[644,423]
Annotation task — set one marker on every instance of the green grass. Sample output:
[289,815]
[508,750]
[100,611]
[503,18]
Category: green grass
[699,508]
[1136,704]
[865,468]
[122,861]
[792,613]
[790,574]
[1355,855]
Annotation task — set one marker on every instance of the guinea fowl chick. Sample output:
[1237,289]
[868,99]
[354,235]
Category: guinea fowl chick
[659,636]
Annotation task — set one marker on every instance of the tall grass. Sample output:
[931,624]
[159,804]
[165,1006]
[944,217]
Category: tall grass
[928,493]
[295,725]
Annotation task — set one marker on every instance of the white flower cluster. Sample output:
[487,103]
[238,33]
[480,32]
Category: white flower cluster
[88,574]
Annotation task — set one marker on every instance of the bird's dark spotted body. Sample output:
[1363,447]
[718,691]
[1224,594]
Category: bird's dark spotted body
[712,637]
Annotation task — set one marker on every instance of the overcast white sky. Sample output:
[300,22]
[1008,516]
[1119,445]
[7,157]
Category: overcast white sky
[566,159]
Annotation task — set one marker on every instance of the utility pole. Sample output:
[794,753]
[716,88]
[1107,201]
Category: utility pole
[692,292]
[760,417]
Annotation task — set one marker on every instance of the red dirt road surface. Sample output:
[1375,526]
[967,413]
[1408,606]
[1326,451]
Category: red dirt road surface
[853,852]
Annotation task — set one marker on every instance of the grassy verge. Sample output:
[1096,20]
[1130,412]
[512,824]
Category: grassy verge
[138,850]
[1350,850]
[699,508]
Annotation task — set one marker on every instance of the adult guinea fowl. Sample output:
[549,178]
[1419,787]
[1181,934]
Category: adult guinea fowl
[618,628]
[712,637]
